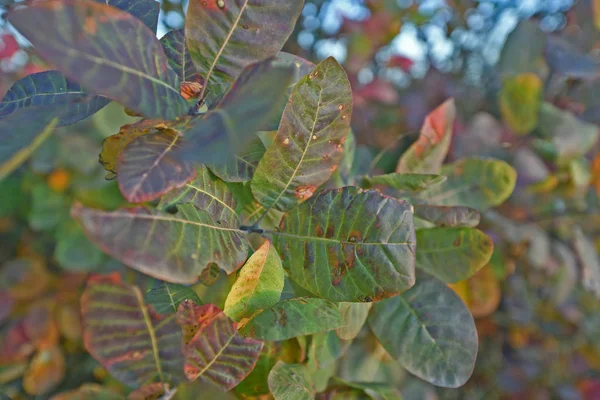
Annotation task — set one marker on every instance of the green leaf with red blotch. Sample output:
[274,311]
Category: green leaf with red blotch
[106,50]
[453,254]
[171,247]
[427,154]
[51,88]
[309,143]
[291,382]
[178,54]
[349,245]
[225,36]
[22,132]
[448,216]
[165,158]
[479,183]
[133,342]
[145,10]
[428,330]
[213,348]
[294,317]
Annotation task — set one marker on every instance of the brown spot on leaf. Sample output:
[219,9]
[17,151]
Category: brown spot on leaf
[319,230]
[349,254]
[457,242]
[304,192]
[190,90]
[330,232]
[90,26]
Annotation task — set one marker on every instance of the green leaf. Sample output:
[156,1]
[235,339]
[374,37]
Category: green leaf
[524,49]
[406,182]
[453,254]
[258,285]
[214,351]
[429,331]
[378,391]
[427,154]
[48,89]
[291,382]
[165,297]
[325,349]
[309,142]
[145,10]
[355,316]
[349,245]
[89,391]
[208,193]
[448,216]
[473,182]
[178,54]
[171,247]
[21,134]
[74,251]
[225,36]
[294,317]
[133,343]
[241,167]
[520,100]
[106,50]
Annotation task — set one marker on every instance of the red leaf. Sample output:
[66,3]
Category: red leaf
[8,46]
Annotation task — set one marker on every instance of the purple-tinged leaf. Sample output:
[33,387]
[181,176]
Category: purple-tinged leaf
[448,216]
[225,36]
[145,10]
[214,350]
[134,343]
[51,88]
[170,247]
[564,58]
[349,245]
[178,54]
[106,50]
[241,167]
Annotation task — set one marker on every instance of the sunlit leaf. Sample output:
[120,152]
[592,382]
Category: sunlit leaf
[48,89]
[145,10]
[258,285]
[453,254]
[309,142]
[481,292]
[171,247]
[224,36]
[214,350]
[291,382]
[207,193]
[45,372]
[408,182]
[473,182]
[165,297]
[444,216]
[355,316]
[178,55]
[108,51]
[349,245]
[20,135]
[134,343]
[294,317]
[429,331]
[427,154]
[520,100]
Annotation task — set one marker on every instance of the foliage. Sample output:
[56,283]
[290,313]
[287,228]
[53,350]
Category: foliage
[244,242]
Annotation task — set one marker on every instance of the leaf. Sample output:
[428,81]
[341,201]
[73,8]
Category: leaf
[445,216]
[429,331]
[48,89]
[590,261]
[325,349]
[481,292]
[225,36]
[520,99]
[309,142]
[427,154]
[473,182]
[21,135]
[145,10]
[108,51]
[88,391]
[453,254]
[134,343]
[407,182]
[524,49]
[152,391]
[165,297]
[258,285]
[241,167]
[207,193]
[74,251]
[294,317]
[291,382]
[564,58]
[355,316]
[24,278]
[215,352]
[349,245]
[171,247]
[45,372]
[178,54]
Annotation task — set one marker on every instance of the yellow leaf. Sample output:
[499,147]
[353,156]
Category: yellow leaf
[520,101]
[46,371]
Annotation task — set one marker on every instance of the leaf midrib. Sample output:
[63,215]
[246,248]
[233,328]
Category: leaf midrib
[153,341]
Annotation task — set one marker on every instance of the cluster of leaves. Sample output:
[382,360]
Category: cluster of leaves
[242,149]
